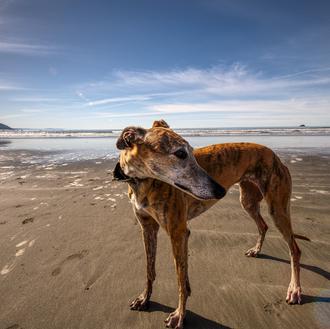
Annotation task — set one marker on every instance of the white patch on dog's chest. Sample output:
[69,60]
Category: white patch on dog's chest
[135,203]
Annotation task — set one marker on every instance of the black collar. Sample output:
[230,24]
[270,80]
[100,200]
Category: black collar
[119,175]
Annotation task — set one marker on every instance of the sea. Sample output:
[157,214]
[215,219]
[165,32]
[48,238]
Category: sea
[59,146]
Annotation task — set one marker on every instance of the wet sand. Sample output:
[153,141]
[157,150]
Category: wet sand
[71,254]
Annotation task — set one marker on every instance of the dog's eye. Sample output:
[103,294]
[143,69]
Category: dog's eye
[181,154]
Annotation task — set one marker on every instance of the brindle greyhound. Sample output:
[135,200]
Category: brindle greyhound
[170,183]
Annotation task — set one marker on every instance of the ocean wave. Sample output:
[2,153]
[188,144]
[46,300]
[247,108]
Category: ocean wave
[292,131]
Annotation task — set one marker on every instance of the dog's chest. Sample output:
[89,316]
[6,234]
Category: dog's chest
[138,203]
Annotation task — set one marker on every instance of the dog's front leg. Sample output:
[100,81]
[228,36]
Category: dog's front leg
[149,233]
[179,239]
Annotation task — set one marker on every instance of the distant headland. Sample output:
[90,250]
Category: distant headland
[4,127]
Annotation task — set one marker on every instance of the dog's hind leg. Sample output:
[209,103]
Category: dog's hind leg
[149,232]
[250,197]
[278,200]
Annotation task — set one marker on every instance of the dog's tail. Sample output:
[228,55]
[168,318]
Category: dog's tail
[301,237]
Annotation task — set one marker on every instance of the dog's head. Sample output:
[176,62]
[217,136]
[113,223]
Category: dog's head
[162,154]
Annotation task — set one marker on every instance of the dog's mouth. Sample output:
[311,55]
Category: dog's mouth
[215,191]
[181,187]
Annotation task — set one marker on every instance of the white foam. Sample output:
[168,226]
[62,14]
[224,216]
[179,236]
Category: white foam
[98,188]
[320,192]
[31,243]
[7,268]
[21,243]
[20,252]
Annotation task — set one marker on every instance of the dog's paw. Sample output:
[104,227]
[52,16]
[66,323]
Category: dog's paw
[253,252]
[175,320]
[140,303]
[294,295]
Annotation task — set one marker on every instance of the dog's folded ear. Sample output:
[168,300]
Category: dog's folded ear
[160,123]
[130,136]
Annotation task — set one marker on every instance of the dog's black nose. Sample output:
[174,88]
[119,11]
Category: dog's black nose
[218,191]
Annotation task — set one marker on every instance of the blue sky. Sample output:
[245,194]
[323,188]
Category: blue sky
[206,63]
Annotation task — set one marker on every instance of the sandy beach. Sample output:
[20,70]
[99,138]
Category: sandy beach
[71,254]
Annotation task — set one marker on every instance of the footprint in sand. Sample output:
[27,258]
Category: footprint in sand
[14,326]
[28,220]
[72,257]
[274,308]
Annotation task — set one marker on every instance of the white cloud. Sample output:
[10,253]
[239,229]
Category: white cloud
[230,94]
[21,48]
[119,100]
[35,99]
[31,110]
[8,86]
[235,82]
[246,106]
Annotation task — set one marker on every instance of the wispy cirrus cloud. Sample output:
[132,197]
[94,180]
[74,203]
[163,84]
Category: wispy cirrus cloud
[8,86]
[23,48]
[233,92]
[241,106]
[236,79]
[132,98]
[32,110]
[235,82]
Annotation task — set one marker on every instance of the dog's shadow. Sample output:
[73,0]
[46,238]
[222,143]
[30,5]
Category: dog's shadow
[306,298]
[192,320]
[312,268]
[196,321]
